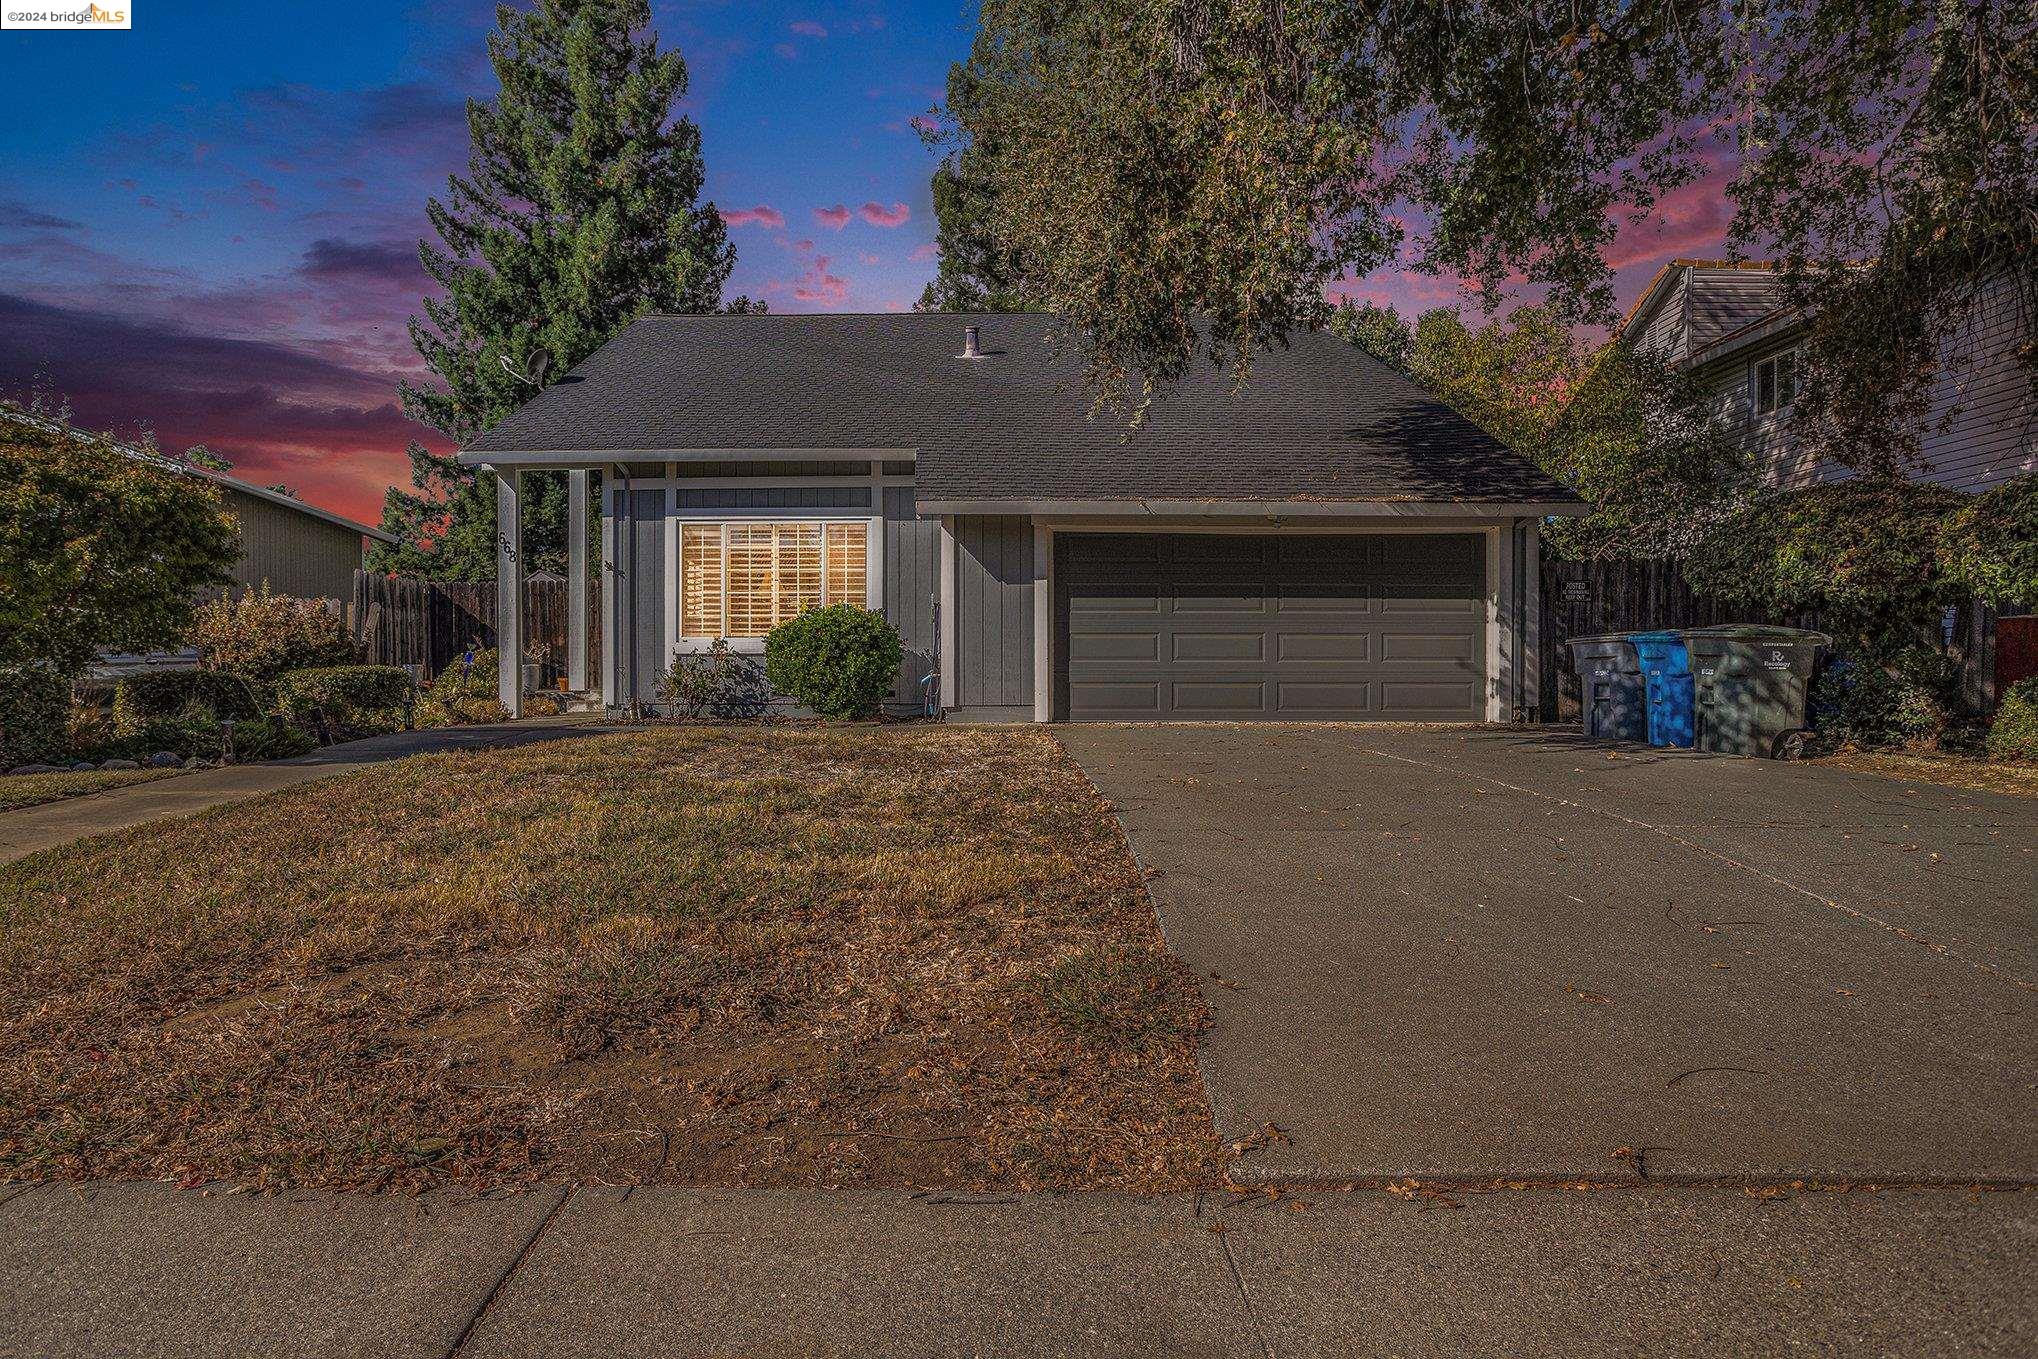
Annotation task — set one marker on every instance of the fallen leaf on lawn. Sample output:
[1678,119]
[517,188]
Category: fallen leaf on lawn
[1589,997]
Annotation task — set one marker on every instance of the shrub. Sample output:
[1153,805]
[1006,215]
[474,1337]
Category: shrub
[2014,736]
[436,712]
[1900,699]
[141,699]
[1990,548]
[35,712]
[345,702]
[840,661]
[262,634]
[719,683]
[1863,555]
[461,681]
[261,738]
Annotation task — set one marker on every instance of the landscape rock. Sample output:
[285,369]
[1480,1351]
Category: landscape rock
[119,764]
[83,767]
[193,762]
[36,769]
[163,759]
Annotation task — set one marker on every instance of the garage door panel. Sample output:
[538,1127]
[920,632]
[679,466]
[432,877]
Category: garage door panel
[1220,646]
[1256,626]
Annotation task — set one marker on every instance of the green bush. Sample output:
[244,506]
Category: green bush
[345,702]
[461,682]
[717,683]
[261,738]
[1903,698]
[840,661]
[1863,555]
[141,699]
[2014,736]
[1990,548]
[35,712]
[262,634]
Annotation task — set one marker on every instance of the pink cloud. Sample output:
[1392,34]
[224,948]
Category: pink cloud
[803,245]
[807,28]
[928,251]
[818,285]
[761,215]
[834,218]
[868,258]
[920,122]
[879,215]
[786,50]
[1691,219]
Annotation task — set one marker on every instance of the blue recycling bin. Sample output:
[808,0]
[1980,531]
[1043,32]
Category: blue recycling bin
[1666,670]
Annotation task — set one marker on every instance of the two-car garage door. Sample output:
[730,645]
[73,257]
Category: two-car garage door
[1234,627]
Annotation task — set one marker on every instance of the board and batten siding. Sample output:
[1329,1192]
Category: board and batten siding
[994,616]
[295,554]
[911,561]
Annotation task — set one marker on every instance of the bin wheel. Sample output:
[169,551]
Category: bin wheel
[1791,745]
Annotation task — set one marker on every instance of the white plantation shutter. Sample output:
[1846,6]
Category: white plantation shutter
[742,579]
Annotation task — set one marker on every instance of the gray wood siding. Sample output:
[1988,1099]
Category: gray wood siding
[994,611]
[912,590]
[644,518]
[295,553]
[777,498]
[1980,429]
[1724,300]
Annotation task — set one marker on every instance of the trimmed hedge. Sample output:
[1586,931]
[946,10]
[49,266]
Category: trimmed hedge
[840,661]
[262,634]
[345,702]
[1990,546]
[141,699]
[35,712]
[2015,733]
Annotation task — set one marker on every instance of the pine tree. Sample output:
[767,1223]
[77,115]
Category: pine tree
[579,212]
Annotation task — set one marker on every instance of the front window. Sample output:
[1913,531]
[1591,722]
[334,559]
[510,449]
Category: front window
[742,579]
[1776,382]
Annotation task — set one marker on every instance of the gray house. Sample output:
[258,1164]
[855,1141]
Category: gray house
[1728,323]
[1326,542]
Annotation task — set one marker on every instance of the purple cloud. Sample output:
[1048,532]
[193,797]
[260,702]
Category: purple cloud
[762,215]
[834,218]
[879,215]
[807,28]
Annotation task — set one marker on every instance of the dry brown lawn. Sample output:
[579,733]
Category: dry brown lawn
[1949,771]
[32,790]
[837,956]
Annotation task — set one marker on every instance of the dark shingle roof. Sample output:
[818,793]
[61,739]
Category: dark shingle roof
[1319,420]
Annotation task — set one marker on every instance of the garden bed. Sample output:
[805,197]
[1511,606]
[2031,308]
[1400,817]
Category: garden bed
[734,956]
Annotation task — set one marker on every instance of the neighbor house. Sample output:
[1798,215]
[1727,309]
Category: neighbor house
[1729,324]
[1327,541]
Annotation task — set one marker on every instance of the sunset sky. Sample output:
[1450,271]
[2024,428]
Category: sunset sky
[209,224]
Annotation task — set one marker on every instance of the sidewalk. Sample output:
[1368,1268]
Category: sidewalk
[55,823]
[144,1269]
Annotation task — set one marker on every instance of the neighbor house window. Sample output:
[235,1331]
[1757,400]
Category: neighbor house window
[1776,382]
[744,578]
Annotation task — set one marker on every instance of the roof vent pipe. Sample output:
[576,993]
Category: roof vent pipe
[971,349]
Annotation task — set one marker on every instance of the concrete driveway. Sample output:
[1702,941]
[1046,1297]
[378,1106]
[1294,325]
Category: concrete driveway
[1496,953]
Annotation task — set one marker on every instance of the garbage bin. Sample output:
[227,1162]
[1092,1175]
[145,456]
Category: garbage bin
[1610,684]
[1666,670]
[1752,686]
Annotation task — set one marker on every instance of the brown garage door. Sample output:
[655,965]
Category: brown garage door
[1230,627]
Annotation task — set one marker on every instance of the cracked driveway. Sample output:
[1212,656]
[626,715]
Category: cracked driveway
[1485,952]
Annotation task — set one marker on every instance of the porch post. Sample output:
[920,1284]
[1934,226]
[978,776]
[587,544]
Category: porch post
[1043,622]
[509,589]
[946,642]
[576,580]
[1532,620]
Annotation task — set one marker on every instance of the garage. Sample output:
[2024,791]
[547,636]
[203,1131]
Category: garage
[1264,627]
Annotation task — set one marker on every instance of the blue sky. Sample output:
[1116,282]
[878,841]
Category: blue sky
[208,223]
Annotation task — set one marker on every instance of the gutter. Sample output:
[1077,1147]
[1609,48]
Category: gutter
[1271,510]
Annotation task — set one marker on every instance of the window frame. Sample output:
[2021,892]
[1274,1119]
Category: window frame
[680,520]
[1773,363]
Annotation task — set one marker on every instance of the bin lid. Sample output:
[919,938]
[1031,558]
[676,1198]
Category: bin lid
[1601,639]
[1660,635]
[1760,632]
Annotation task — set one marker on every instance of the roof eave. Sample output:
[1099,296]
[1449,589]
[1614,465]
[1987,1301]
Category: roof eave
[1167,508]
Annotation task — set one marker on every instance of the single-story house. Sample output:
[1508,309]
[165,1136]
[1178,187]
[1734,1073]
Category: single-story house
[1325,542]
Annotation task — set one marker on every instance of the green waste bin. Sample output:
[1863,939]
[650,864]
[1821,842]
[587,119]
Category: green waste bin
[1613,692]
[1752,685]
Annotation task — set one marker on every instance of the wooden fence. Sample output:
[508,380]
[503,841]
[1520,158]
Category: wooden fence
[400,621]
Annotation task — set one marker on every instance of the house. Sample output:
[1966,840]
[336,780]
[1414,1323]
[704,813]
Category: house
[1326,542]
[298,548]
[1728,323]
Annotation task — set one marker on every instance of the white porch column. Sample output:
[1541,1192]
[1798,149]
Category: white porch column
[947,609]
[1043,622]
[576,580]
[1532,640]
[509,589]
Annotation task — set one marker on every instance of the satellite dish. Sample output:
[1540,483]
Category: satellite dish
[536,364]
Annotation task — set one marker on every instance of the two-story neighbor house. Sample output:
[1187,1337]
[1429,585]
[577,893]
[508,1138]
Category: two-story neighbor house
[1727,322]
[1327,541]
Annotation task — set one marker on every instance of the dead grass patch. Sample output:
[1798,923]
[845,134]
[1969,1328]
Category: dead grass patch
[890,956]
[1948,771]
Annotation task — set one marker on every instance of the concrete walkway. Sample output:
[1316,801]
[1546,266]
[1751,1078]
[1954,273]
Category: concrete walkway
[30,829]
[143,1269]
